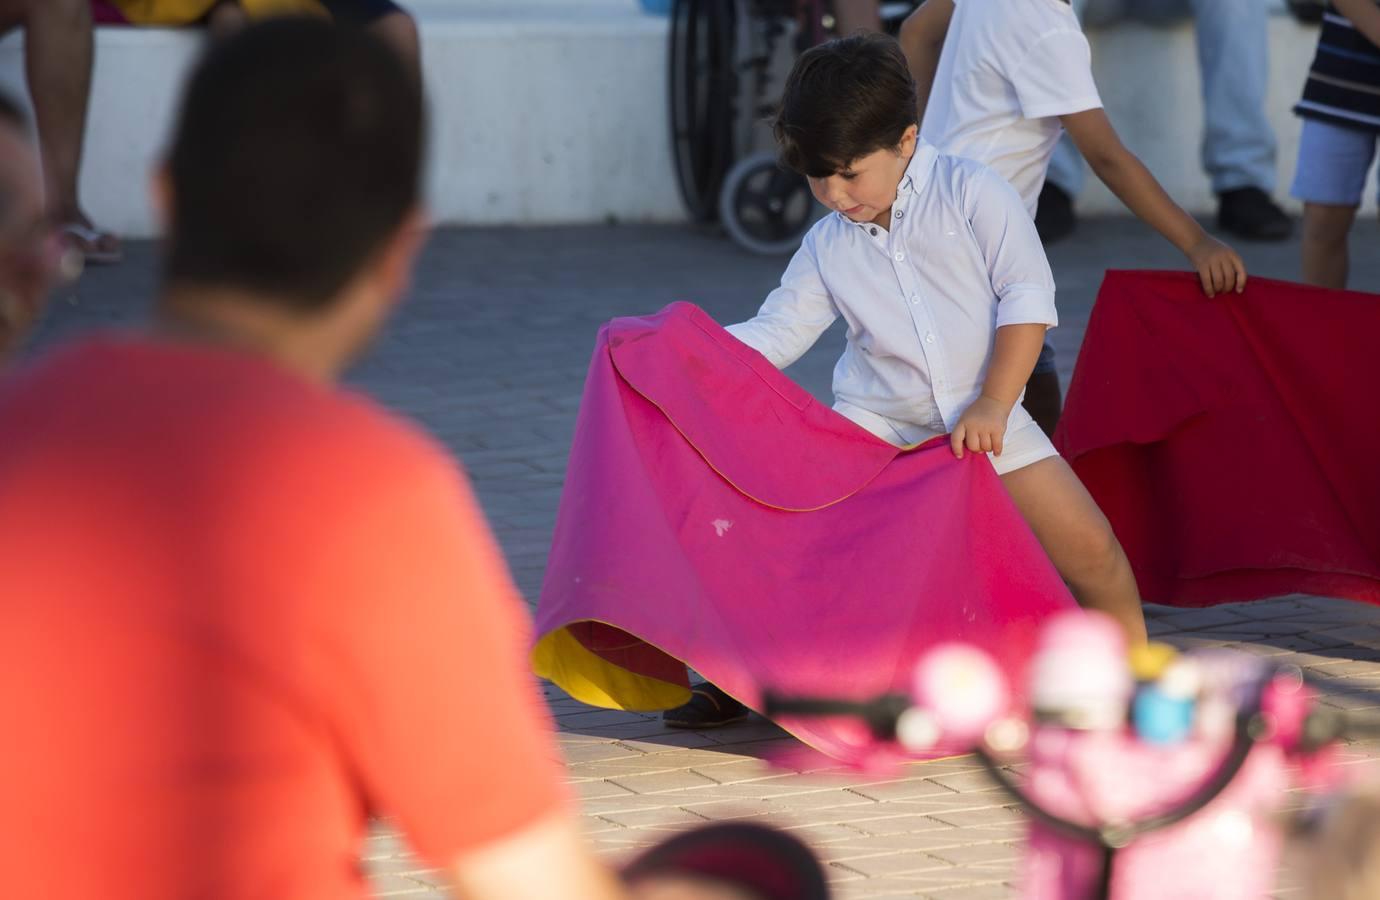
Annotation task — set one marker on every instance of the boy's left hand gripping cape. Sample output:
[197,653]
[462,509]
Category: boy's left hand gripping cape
[716,515]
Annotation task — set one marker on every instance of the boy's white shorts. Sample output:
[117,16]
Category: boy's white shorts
[1025,445]
[1025,442]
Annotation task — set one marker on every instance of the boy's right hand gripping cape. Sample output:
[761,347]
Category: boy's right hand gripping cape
[717,515]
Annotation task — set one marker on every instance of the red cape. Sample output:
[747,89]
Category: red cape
[1232,442]
[717,515]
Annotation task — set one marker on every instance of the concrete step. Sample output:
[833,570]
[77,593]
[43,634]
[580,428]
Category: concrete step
[554,112]
[542,111]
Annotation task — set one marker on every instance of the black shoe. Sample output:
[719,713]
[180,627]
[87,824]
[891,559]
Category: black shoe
[1310,12]
[1054,218]
[1250,213]
[709,707]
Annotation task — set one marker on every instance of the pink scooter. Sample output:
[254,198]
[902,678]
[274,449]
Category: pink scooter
[1165,782]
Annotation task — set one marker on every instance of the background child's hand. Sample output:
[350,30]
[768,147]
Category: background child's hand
[981,428]
[1218,266]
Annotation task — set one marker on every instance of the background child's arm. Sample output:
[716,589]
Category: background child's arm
[1363,14]
[1024,286]
[794,315]
[1218,266]
[922,40]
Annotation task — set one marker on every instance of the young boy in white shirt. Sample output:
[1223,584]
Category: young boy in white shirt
[935,264]
[998,81]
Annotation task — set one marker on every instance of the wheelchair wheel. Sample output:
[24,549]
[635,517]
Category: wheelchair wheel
[765,208]
[703,84]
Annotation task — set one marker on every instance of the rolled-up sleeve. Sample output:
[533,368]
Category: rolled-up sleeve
[794,315]
[1016,260]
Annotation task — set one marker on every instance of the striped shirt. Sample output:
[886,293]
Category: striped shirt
[1343,85]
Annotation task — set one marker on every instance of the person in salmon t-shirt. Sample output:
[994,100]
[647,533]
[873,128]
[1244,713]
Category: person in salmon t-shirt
[247,610]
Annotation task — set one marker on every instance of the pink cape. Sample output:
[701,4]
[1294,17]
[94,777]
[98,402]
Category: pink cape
[717,515]
[1232,442]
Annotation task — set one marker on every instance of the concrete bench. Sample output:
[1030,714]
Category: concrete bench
[554,111]
[541,112]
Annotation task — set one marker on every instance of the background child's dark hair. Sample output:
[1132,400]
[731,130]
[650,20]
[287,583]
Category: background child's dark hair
[844,99]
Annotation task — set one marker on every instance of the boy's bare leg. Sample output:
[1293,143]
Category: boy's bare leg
[58,55]
[1079,540]
[1326,262]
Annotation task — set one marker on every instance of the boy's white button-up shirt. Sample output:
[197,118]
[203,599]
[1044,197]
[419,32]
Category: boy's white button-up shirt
[923,299]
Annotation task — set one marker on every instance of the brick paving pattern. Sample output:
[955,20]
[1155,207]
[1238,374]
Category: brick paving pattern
[490,353]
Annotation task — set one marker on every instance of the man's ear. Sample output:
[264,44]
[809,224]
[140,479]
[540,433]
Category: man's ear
[400,255]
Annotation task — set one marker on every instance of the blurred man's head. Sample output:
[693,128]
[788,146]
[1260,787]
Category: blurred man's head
[29,251]
[293,182]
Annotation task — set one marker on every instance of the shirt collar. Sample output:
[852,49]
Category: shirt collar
[918,171]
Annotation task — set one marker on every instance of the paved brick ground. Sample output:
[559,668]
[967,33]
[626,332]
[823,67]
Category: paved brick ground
[490,354]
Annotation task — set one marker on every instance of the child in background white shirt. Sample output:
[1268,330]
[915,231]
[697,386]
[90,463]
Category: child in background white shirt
[999,81]
[935,264]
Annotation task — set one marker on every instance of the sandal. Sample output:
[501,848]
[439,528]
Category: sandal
[98,247]
[709,707]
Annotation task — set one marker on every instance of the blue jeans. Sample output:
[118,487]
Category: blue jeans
[1233,61]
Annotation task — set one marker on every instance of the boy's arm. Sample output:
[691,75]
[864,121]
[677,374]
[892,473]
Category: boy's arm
[982,427]
[1218,266]
[794,315]
[1364,15]
[1024,286]
[922,40]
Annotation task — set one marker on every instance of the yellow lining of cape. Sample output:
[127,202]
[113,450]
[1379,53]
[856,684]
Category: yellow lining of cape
[560,658]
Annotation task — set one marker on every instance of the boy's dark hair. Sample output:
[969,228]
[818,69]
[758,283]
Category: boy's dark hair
[297,153]
[844,99]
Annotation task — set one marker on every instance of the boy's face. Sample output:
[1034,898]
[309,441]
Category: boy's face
[864,189]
